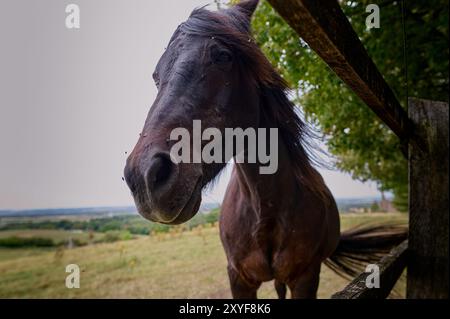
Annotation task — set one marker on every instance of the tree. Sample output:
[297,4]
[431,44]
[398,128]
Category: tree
[375,207]
[362,145]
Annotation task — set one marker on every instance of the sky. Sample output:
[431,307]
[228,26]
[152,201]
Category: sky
[73,101]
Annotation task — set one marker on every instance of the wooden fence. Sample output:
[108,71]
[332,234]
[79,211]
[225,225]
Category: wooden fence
[424,133]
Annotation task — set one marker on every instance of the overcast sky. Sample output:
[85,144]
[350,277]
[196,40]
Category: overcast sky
[72,102]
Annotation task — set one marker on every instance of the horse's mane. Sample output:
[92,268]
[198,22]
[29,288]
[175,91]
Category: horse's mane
[232,28]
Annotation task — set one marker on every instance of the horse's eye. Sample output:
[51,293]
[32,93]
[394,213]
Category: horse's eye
[223,57]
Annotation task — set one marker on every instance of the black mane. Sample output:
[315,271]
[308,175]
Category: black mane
[232,28]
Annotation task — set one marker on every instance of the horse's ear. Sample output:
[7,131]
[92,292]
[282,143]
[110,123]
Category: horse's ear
[247,6]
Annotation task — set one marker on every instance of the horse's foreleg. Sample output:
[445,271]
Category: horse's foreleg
[281,289]
[241,289]
[305,286]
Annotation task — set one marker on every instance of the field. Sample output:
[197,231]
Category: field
[189,264]
[56,235]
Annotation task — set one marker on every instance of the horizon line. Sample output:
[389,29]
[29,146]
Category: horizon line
[389,196]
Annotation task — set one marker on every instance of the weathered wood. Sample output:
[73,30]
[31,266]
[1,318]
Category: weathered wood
[391,267]
[323,25]
[428,203]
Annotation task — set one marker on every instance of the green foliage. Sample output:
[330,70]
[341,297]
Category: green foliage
[106,230]
[375,207]
[113,227]
[212,216]
[401,201]
[75,242]
[114,235]
[204,218]
[18,242]
[362,144]
[160,228]
[110,225]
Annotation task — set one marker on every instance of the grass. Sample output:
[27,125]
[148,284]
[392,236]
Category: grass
[182,265]
[57,235]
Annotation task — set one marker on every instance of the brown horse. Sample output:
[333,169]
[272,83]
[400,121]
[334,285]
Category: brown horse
[273,227]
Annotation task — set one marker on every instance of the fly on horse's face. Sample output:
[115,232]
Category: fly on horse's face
[200,76]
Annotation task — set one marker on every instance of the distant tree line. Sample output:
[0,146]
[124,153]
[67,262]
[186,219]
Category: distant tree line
[135,225]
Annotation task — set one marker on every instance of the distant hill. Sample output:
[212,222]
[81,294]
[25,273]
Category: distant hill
[91,211]
[111,211]
[344,205]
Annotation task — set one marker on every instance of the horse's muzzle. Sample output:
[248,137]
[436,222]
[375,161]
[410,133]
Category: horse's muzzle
[164,191]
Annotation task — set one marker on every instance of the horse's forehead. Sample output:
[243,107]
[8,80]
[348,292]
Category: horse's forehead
[186,47]
[180,39]
[185,39]
[184,50]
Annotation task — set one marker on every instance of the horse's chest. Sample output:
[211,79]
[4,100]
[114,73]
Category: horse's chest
[254,265]
[267,257]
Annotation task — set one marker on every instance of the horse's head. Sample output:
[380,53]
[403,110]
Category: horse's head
[210,72]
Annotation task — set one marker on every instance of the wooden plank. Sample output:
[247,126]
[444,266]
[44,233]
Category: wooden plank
[428,203]
[391,267]
[323,25]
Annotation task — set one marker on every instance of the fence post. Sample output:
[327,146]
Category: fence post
[428,202]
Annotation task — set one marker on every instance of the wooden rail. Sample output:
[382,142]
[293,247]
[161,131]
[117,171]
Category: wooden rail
[325,28]
[391,267]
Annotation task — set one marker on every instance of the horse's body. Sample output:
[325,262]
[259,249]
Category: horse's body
[273,227]
[280,226]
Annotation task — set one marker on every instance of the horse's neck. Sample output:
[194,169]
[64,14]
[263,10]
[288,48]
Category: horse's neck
[265,192]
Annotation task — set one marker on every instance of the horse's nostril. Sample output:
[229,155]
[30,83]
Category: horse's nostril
[129,178]
[161,168]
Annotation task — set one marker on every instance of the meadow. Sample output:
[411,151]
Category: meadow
[175,264]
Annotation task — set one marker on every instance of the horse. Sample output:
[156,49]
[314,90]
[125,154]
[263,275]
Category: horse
[279,226]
